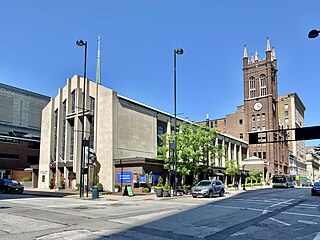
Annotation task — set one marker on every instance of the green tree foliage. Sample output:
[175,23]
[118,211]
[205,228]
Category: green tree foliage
[193,143]
[232,169]
[254,175]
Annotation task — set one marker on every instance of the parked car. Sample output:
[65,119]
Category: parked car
[315,189]
[10,186]
[207,188]
[307,184]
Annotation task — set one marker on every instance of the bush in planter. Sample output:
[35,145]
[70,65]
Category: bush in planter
[78,186]
[100,187]
[145,190]
[159,187]
[62,183]
[117,187]
[166,189]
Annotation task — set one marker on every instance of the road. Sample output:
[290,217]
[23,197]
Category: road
[260,214]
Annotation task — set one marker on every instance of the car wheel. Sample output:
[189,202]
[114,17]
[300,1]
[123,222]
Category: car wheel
[210,195]
[221,194]
[194,196]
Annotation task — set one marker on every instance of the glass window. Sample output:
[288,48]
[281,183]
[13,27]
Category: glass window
[253,128]
[258,117]
[240,121]
[241,135]
[286,106]
[263,85]
[286,113]
[253,118]
[263,117]
[252,87]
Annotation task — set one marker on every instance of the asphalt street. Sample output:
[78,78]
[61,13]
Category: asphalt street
[260,214]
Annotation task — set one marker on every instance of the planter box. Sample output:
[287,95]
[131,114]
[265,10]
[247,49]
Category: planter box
[159,192]
[166,193]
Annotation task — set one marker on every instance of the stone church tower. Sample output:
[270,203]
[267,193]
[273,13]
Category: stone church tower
[261,111]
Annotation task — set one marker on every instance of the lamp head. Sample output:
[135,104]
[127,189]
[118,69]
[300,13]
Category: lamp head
[81,42]
[179,51]
[313,33]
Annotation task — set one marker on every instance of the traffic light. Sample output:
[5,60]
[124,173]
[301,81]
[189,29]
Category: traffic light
[90,156]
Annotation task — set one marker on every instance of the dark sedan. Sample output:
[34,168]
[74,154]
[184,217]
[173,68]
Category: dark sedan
[10,186]
[315,189]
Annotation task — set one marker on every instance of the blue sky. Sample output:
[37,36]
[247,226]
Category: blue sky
[38,50]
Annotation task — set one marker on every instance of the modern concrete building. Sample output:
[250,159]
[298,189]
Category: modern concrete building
[123,133]
[20,121]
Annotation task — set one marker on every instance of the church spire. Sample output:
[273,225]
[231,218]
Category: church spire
[98,71]
[268,48]
[256,57]
[252,57]
[245,53]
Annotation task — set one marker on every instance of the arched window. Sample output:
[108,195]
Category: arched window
[263,85]
[252,87]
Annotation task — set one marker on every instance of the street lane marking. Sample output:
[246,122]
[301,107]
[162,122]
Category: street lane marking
[307,222]
[278,221]
[265,211]
[310,205]
[317,237]
[301,214]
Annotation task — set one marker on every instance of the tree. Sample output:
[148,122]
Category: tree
[254,175]
[194,142]
[232,169]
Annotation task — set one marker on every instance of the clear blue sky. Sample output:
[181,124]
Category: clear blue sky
[38,50]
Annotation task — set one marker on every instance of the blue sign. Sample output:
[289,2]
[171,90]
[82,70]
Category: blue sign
[142,179]
[124,177]
[155,176]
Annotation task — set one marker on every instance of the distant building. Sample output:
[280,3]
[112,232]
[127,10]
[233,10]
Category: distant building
[291,115]
[313,165]
[20,121]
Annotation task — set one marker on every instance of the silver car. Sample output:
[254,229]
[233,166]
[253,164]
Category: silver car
[207,188]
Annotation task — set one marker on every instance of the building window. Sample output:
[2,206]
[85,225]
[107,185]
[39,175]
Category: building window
[263,85]
[241,135]
[286,113]
[211,124]
[286,106]
[263,117]
[64,113]
[253,118]
[240,122]
[32,160]
[252,87]
[34,145]
[264,155]
[224,122]
[43,178]
[255,154]
[9,156]
[91,120]
[253,128]
[73,101]
[160,133]
[258,117]
[258,128]
[263,128]
[55,135]
[286,120]
[215,123]
[259,155]
[71,124]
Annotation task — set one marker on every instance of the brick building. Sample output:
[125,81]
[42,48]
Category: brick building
[260,112]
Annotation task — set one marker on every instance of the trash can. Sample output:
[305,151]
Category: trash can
[95,192]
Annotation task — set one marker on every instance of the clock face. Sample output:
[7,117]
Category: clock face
[257,106]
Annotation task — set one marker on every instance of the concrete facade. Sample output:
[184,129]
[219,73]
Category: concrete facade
[118,127]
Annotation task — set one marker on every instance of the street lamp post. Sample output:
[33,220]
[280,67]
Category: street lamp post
[179,51]
[207,173]
[83,43]
[244,178]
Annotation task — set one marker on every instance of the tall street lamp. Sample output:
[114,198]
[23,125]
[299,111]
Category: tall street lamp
[82,43]
[179,51]
[313,33]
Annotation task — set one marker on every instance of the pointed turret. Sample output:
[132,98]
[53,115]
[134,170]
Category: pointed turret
[252,57]
[268,48]
[256,57]
[98,71]
[245,56]
[245,53]
[273,54]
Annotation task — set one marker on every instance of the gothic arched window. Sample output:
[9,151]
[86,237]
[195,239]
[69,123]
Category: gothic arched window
[263,85]
[252,87]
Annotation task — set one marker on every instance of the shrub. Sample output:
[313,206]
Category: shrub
[257,184]
[145,190]
[51,183]
[26,179]
[78,186]
[117,186]
[160,182]
[99,184]
[166,187]
[230,185]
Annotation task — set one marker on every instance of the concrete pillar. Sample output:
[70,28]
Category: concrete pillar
[240,155]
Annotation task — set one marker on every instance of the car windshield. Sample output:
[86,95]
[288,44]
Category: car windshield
[317,184]
[204,183]
[9,181]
